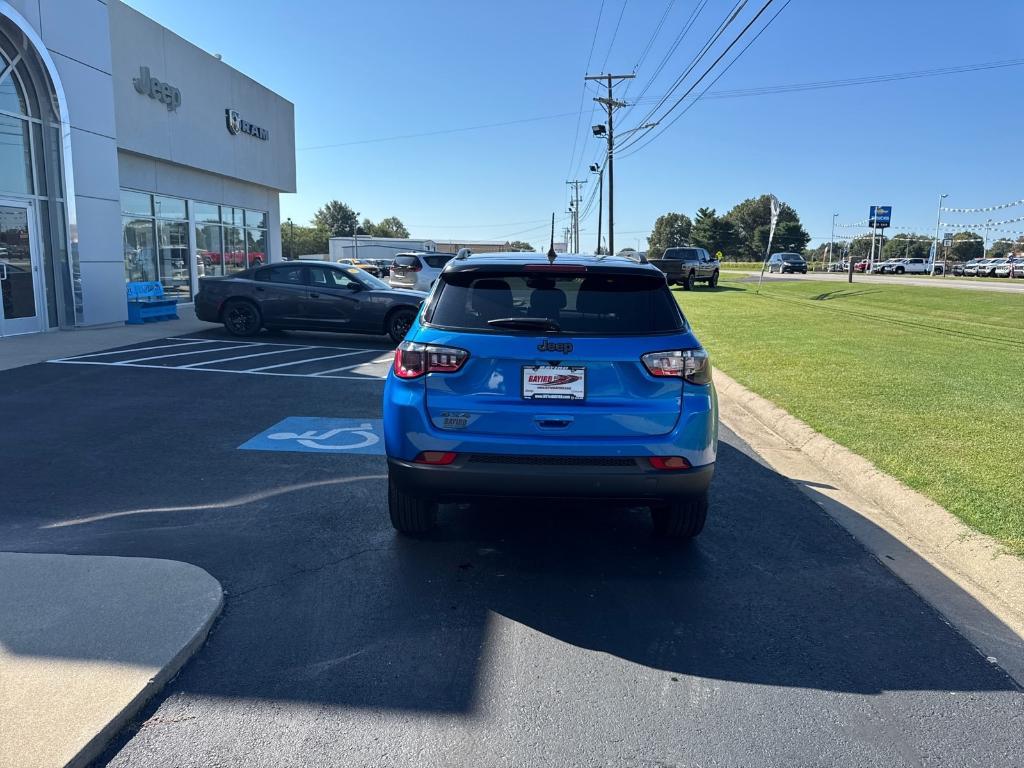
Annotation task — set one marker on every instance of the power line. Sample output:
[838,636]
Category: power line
[604,64]
[708,44]
[708,70]
[868,79]
[687,25]
[583,92]
[440,132]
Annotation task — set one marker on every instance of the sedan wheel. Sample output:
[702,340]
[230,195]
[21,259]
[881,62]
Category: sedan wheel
[241,318]
[399,323]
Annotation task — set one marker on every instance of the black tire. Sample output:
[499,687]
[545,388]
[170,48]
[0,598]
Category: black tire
[688,282]
[241,318]
[713,282]
[410,514]
[398,323]
[680,518]
[900,270]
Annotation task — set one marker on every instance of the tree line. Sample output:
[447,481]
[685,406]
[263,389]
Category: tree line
[337,219]
[741,234]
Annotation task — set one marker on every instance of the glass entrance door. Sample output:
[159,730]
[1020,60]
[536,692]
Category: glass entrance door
[19,271]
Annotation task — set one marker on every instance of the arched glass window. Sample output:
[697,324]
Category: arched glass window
[12,95]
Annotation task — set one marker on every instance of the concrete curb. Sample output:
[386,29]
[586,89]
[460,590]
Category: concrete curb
[85,642]
[96,745]
[974,562]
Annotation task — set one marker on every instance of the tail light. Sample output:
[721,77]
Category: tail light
[693,365]
[668,462]
[435,458]
[413,360]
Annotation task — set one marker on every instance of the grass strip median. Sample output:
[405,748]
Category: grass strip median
[927,383]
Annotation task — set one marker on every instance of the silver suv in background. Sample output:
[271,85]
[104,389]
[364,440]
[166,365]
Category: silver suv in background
[417,271]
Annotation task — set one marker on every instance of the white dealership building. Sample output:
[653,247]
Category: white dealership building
[128,155]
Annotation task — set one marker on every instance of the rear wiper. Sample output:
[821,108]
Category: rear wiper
[526,323]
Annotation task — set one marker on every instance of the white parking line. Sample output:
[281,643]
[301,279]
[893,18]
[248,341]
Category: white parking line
[242,357]
[139,349]
[275,344]
[309,360]
[218,370]
[379,360]
[177,354]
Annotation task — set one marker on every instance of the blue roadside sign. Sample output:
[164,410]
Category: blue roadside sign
[880,216]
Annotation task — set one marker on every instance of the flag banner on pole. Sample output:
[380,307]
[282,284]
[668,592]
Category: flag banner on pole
[984,224]
[999,207]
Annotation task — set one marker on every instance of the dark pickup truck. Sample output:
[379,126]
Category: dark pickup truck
[687,266]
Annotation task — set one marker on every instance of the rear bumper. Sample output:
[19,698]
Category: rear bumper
[206,309]
[467,479]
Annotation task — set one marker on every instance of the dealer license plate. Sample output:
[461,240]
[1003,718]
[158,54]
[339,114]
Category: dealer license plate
[554,382]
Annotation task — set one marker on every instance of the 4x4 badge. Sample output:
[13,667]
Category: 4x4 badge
[564,347]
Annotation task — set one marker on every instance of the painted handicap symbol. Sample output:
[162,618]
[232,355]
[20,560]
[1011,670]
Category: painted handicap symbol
[319,434]
[311,439]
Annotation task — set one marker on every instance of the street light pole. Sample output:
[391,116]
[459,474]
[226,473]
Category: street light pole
[595,168]
[291,239]
[832,241]
[935,243]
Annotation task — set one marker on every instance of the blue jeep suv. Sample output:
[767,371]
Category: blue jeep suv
[532,376]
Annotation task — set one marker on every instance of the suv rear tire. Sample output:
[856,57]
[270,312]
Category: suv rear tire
[680,518]
[410,514]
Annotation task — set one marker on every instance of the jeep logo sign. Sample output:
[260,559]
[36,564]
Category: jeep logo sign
[565,347]
[237,125]
[165,93]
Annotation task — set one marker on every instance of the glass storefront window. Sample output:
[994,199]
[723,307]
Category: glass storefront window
[15,156]
[136,203]
[234,250]
[139,250]
[236,217]
[256,219]
[209,249]
[169,207]
[256,246]
[172,238]
[206,212]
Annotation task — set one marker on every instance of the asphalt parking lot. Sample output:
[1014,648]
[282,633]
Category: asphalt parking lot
[516,635]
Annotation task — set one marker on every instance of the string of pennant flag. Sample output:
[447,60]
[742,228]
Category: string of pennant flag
[989,225]
[985,209]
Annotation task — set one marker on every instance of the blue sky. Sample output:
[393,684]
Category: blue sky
[359,71]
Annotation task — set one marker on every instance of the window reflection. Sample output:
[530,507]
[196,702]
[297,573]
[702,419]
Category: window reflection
[209,249]
[15,156]
[234,250]
[174,267]
[139,250]
[256,246]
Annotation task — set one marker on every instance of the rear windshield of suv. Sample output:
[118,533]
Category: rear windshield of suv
[436,261]
[591,304]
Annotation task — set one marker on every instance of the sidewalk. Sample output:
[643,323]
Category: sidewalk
[16,351]
[84,643]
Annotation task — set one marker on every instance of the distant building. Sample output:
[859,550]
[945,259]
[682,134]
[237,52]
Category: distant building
[368,247]
[476,246]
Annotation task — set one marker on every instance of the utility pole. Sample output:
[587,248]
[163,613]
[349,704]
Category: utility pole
[595,168]
[576,213]
[610,103]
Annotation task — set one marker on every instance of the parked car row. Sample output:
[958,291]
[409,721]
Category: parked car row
[1007,266]
[899,267]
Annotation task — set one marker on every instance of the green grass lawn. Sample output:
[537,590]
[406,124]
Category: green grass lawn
[927,383]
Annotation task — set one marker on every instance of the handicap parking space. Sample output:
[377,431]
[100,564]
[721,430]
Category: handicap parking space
[308,357]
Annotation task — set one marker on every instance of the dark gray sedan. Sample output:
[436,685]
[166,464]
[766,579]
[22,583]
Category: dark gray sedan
[310,296]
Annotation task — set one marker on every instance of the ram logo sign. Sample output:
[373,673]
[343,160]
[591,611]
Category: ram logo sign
[237,125]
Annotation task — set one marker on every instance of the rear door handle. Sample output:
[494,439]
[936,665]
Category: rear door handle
[314,295]
[559,422]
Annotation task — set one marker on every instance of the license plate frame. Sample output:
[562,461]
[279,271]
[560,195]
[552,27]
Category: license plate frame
[574,390]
